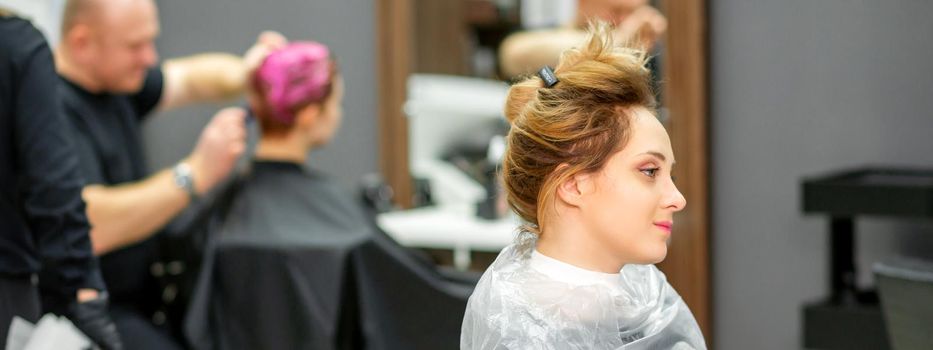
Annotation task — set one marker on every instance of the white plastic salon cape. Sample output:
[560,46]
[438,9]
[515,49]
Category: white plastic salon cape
[526,300]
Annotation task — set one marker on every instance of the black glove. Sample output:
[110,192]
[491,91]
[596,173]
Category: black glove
[92,319]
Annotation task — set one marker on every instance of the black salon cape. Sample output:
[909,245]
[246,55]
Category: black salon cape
[297,263]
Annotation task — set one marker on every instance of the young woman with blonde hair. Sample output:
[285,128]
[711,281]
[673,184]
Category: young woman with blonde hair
[588,169]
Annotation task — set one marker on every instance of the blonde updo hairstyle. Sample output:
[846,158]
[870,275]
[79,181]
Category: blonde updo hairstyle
[579,122]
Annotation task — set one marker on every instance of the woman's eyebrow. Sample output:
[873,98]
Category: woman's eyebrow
[658,155]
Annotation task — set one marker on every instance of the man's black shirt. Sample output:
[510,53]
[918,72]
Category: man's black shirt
[109,144]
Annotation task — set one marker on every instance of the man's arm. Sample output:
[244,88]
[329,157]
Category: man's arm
[213,76]
[71,283]
[526,52]
[52,180]
[126,214]
[202,78]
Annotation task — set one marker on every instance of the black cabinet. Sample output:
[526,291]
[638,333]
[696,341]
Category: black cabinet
[850,318]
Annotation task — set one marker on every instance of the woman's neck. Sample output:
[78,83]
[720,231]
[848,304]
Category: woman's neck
[282,148]
[569,242]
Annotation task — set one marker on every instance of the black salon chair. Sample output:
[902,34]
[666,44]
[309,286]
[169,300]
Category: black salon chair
[906,290]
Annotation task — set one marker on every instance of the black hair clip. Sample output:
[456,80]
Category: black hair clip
[548,76]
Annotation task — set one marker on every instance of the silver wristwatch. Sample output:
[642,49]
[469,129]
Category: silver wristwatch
[184,179]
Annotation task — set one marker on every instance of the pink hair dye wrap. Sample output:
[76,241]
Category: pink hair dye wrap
[296,74]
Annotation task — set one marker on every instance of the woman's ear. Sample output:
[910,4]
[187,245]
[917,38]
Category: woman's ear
[572,190]
[308,116]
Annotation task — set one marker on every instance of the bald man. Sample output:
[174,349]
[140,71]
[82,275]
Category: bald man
[110,83]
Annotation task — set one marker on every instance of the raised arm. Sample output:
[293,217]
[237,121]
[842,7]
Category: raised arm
[526,52]
[211,77]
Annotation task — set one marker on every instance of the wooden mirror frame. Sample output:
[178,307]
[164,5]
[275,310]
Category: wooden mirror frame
[685,66]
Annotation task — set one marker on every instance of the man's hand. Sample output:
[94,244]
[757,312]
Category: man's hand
[89,315]
[643,27]
[222,142]
[87,294]
[266,42]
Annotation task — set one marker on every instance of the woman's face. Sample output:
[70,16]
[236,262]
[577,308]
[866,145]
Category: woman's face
[630,203]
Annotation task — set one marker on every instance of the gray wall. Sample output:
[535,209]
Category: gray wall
[190,27]
[799,88]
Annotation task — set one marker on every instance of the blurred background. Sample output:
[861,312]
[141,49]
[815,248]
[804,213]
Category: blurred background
[759,96]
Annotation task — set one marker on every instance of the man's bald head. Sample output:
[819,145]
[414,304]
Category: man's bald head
[91,12]
[78,11]
[108,44]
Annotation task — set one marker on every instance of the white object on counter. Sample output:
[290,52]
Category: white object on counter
[438,227]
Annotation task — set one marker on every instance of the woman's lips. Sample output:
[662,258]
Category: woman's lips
[664,225]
